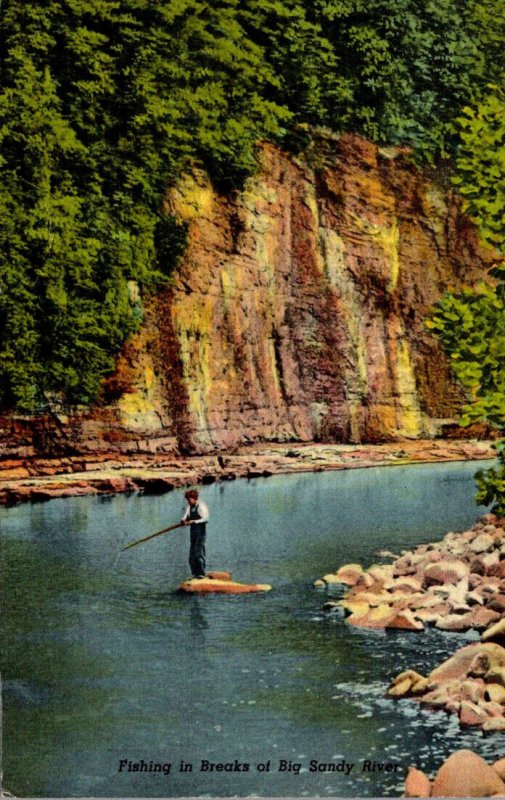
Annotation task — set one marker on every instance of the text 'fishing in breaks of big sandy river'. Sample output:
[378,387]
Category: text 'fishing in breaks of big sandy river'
[314,765]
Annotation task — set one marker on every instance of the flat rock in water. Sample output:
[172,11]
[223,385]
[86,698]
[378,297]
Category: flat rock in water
[220,583]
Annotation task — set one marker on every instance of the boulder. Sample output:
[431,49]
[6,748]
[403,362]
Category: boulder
[355,607]
[365,581]
[492,709]
[373,618]
[381,572]
[437,698]
[497,603]
[475,598]
[400,689]
[482,618]
[495,692]
[457,666]
[454,622]
[480,664]
[465,774]
[417,784]
[347,574]
[499,767]
[471,715]
[498,570]
[445,571]
[431,616]
[405,583]
[472,691]
[408,683]
[493,725]
[403,566]
[482,543]
[495,675]
[496,633]
[405,621]
[426,600]
[331,578]
[403,683]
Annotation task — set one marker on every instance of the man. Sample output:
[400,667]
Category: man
[196,515]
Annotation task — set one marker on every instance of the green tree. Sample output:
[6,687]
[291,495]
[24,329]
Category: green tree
[104,102]
[471,325]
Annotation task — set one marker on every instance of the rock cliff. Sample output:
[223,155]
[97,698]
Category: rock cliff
[297,312]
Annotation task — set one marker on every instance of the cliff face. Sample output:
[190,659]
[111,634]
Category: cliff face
[298,310]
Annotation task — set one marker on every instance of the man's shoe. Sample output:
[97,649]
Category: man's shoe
[200,577]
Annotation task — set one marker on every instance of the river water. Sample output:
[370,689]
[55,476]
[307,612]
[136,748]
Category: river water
[103,662]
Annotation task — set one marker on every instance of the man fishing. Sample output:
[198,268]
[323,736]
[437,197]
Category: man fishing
[196,515]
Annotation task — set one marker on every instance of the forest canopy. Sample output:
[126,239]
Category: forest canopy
[104,102]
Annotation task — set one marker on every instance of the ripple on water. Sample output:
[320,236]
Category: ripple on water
[109,661]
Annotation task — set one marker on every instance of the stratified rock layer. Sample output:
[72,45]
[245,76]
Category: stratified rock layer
[297,313]
[299,308]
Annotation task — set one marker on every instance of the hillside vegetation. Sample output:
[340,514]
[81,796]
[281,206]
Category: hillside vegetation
[103,103]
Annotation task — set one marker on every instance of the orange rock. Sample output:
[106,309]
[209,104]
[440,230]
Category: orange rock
[495,693]
[495,634]
[499,767]
[471,715]
[458,665]
[482,618]
[373,618]
[465,774]
[498,570]
[405,621]
[454,622]
[494,724]
[404,683]
[417,784]
[445,571]
[219,576]
[349,574]
[210,586]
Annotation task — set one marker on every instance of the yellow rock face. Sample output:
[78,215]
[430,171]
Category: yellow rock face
[297,312]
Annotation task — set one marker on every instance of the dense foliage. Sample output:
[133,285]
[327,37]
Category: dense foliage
[471,325]
[104,102]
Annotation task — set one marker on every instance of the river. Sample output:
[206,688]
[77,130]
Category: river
[104,663]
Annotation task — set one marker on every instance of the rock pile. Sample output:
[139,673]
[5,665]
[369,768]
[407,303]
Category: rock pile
[464,774]
[457,584]
[470,684]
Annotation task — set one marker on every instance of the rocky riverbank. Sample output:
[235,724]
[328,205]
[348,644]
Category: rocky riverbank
[457,584]
[40,479]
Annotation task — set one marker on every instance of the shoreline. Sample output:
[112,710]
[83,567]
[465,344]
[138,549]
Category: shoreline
[42,479]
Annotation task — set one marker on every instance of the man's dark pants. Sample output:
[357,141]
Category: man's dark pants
[197,549]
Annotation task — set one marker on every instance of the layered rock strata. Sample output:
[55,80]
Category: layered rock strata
[297,313]
[37,479]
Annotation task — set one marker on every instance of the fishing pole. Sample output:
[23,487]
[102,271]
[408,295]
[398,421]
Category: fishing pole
[158,533]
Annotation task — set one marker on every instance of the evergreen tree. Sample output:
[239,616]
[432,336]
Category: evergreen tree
[471,325]
[104,102]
